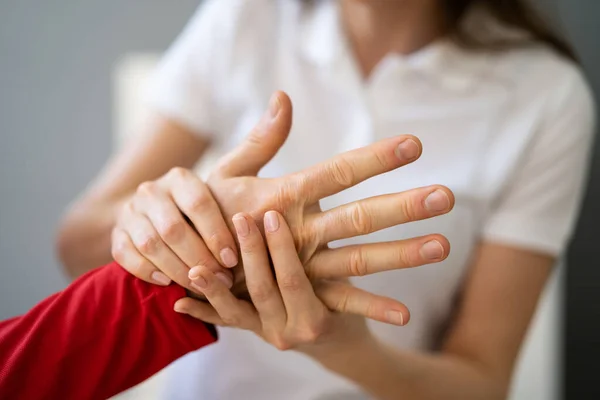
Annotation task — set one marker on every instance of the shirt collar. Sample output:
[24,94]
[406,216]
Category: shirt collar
[323,42]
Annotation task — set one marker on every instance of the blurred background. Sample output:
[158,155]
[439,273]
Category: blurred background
[70,74]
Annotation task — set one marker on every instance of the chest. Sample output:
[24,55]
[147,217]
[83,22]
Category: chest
[460,134]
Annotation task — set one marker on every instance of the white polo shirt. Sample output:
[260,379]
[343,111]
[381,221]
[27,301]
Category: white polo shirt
[508,132]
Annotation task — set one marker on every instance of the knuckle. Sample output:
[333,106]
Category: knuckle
[287,192]
[404,257]
[127,209]
[172,230]
[198,202]
[233,320]
[409,210]
[255,136]
[178,173]
[214,238]
[149,244]
[357,264]
[262,292]
[281,343]
[311,334]
[146,188]
[381,160]
[342,172]
[360,220]
[118,250]
[290,283]
[341,304]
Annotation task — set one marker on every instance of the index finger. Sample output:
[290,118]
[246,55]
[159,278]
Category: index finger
[352,167]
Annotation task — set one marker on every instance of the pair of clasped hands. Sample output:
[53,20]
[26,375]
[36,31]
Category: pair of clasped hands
[288,286]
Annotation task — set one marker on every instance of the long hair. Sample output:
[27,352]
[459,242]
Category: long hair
[515,14]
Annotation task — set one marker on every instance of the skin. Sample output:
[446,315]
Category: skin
[499,294]
[234,188]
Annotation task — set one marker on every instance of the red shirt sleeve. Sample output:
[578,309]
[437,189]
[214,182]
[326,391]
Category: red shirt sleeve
[103,334]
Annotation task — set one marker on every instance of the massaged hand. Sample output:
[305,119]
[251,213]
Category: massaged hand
[296,196]
[285,310]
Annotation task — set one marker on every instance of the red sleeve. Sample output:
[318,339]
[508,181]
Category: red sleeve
[105,333]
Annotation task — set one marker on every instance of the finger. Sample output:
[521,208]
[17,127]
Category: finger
[296,290]
[125,253]
[199,310]
[150,245]
[345,298]
[174,230]
[261,145]
[367,259]
[195,200]
[350,168]
[260,281]
[380,212]
[233,312]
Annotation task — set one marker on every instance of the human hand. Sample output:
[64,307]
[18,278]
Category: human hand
[171,225]
[236,189]
[285,311]
[296,196]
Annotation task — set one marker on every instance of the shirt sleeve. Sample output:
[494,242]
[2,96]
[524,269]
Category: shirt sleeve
[105,333]
[183,84]
[538,210]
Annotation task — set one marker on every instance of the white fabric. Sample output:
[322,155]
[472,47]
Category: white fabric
[509,133]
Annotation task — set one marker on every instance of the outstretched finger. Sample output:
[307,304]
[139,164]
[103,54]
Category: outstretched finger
[343,297]
[350,168]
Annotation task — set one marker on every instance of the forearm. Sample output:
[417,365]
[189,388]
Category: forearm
[84,238]
[105,333]
[387,373]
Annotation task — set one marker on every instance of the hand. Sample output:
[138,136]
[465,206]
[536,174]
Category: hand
[296,196]
[236,189]
[285,311]
[171,225]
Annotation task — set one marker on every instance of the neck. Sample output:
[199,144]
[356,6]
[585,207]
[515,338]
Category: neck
[378,27]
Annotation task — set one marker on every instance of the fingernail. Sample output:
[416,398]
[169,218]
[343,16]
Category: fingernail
[227,281]
[194,273]
[160,278]
[179,309]
[395,317]
[199,283]
[241,226]
[437,201]
[432,250]
[407,150]
[274,106]
[229,257]
[271,221]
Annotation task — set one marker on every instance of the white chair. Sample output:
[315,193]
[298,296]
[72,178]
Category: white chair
[536,375]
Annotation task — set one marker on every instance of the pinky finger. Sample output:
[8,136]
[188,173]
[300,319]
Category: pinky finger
[199,310]
[343,297]
[126,254]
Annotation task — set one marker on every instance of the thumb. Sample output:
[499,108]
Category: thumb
[263,142]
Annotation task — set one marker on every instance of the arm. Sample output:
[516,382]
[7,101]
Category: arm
[477,358]
[528,227]
[105,333]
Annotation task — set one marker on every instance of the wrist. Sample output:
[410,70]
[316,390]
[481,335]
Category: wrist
[339,357]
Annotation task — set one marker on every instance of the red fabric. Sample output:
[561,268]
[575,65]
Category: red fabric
[105,333]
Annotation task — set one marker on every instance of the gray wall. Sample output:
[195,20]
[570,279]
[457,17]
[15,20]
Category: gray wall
[55,117]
